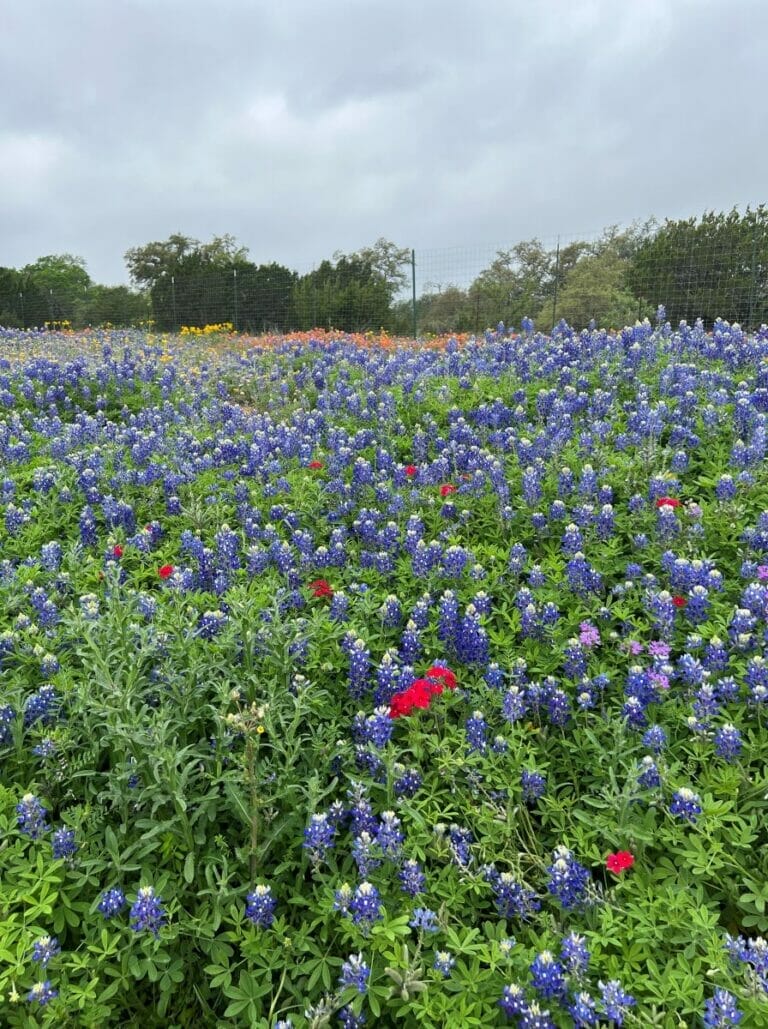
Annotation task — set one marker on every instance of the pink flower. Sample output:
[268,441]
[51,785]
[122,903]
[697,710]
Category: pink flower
[635,647]
[589,635]
[762,572]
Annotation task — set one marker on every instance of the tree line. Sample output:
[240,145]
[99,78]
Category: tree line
[708,267]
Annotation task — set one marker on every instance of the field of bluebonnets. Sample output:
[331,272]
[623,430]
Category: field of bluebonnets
[348,681]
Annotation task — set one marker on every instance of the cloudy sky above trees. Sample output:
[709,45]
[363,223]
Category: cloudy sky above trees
[304,128]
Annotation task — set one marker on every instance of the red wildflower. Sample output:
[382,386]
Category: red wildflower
[445,675]
[400,704]
[315,465]
[669,502]
[619,862]
[165,571]
[446,489]
[679,601]
[411,469]
[420,693]
[321,588]
[117,550]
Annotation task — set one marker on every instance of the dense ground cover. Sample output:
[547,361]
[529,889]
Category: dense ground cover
[350,683]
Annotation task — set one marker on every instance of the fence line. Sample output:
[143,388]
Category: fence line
[610,279]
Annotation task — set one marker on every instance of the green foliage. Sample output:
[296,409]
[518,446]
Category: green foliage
[700,267]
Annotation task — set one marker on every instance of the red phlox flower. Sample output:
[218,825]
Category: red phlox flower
[321,588]
[669,502]
[400,704]
[315,465]
[411,469]
[443,674]
[418,694]
[679,601]
[117,550]
[165,571]
[619,862]
[446,489]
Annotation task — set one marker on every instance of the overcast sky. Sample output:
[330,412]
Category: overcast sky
[307,127]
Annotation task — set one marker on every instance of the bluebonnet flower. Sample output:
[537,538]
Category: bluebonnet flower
[408,783]
[547,975]
[319,836]
[424,920]
[655,739]
[31,816]
[348,1019]
[721,1010]
[342,899]
[412,879]
[476,730]
[211,623]
[40,706]
[728,742]
[615,1001]
[573,951]
[583,1010]
[379,727]
[514,706]
[355,974]
[366,853]
[567,879]
[471,638]
[460,841]
[112,902]
[648,777]
[7,718]
[685,804]
[260,906]
[535,1018]
[63,842]
[45,949]
[534,785]
[365,905]
[444,962]
[510,898]
[391,612]
[41,993]
[147,913]
[390,837]
[513,1001]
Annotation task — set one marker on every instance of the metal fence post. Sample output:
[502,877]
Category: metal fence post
[234,287]
[413,293]
[557,283]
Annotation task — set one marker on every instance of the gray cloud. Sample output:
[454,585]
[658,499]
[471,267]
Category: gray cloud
[305,128]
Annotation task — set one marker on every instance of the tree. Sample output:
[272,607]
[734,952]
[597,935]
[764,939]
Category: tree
[346,293]
[710,267]
[117,306]
[190,283]
[391,262]
[595,288]
[265,297]
[62,280]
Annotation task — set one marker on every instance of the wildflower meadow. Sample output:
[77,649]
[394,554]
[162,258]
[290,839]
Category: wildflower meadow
[348,680]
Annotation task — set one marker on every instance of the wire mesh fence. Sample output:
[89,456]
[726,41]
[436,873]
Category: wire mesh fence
[695,270]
